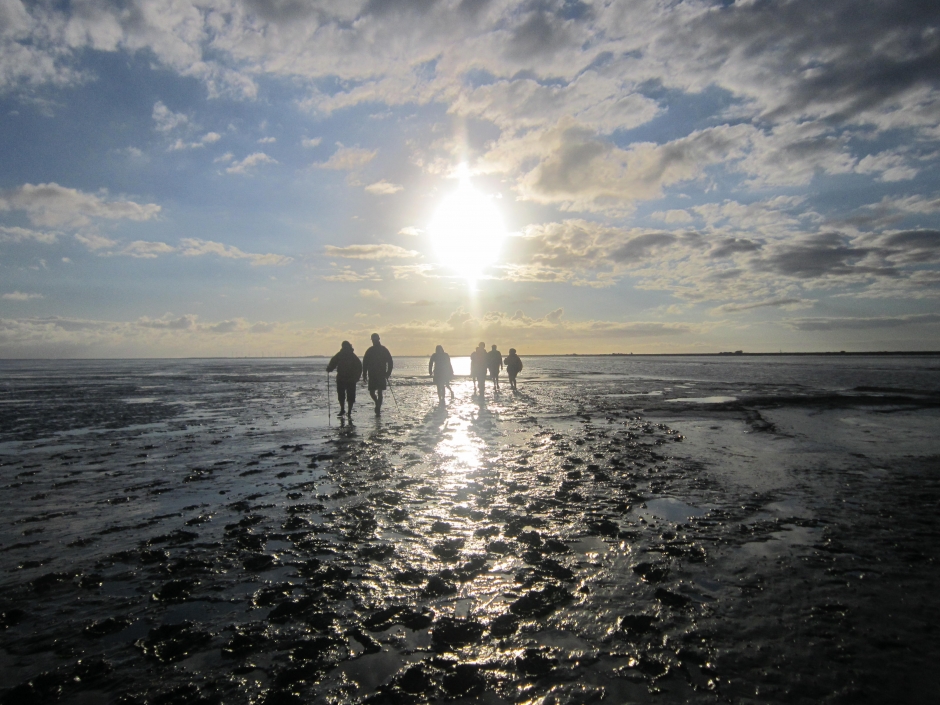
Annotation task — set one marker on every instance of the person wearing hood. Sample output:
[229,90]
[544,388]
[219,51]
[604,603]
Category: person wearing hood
[513,367]
[441,369]
[478,361]
[348,371]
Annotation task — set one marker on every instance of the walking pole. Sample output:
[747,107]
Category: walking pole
[389,382]
[329,407]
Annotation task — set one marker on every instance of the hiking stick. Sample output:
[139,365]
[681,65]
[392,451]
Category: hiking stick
[329,406]
[389,383]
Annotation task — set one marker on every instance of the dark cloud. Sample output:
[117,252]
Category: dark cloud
[472,7]
[819,256]
[641,247]
[282,10]
[816,324]
[387,7]
[839,58]
[731,245]
[913,246]
[540,34]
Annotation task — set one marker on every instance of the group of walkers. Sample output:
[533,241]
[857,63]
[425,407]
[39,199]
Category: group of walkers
[481,362]
[376,367]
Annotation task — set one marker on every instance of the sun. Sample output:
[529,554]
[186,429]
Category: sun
[467,230]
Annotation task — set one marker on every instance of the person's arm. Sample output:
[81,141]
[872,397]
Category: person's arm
[431,367]
[389,365]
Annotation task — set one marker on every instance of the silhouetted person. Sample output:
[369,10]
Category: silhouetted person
[513,367]
[348,371]
[478,362]
[441,369]
[376,369]
[494,362]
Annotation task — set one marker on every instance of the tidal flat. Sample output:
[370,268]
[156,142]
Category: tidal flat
[620,530]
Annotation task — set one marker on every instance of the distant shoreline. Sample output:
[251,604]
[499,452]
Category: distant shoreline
[735,354]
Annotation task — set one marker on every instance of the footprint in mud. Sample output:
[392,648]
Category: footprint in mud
[173,642]
[451,632]
[651,572]
[540,603]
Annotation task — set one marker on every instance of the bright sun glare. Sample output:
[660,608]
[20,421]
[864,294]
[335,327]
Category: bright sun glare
[467,230]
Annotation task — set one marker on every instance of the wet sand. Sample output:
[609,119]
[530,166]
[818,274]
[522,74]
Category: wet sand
[202,536]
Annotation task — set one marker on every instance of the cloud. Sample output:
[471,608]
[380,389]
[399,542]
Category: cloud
[95,242]
[788,303]
[187,322]
[310,142]
[252,160]
[586,253]
[20,296]
[51,205]
[823,324]
[193,247]
[376,252]
[347,274]
[144,249]
[577,170]
[165,119]
[371,294]
[348,158]
[673,216]
[267,140]
[384,188]
[208,138]
[410,230]
[18,234]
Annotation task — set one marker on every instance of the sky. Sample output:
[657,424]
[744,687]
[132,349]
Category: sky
[270,177]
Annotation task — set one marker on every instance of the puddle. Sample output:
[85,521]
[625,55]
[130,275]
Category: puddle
[669,509]
[705,400]
[782,541]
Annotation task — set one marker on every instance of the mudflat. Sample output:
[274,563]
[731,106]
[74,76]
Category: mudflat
[201,532]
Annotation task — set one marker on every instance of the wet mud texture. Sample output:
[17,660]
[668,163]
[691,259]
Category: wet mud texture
[206,539]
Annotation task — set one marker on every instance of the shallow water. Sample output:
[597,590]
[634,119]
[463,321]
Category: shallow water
[203,531]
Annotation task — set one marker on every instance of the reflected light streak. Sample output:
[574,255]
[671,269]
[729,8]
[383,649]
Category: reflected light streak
[460,451]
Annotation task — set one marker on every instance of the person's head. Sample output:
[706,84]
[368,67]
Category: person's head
[482,345]
[439,348]
[375,338]
[346,345]
[512,351]
[494,347]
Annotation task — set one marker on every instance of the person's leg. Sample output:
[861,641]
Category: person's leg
[350,398]
[341,396]
[440,393]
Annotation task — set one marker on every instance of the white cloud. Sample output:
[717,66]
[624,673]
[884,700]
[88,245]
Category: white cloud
[20,296]
[193,247]
[208,138]
[382,251]
[144,249]
[18,234]
[410,230]
[165,120]
[52,205]
[384,188]
[267,140]
[371,294]
[347,274]
[348,158]
[310,142]
[252,160]
[94,241]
